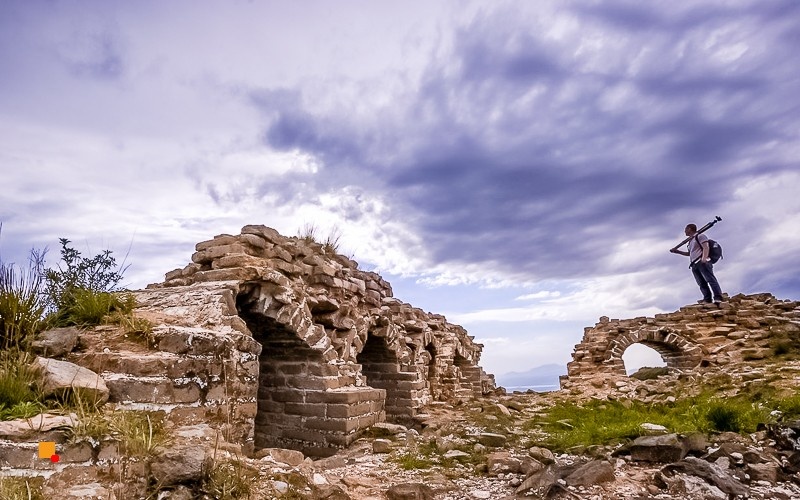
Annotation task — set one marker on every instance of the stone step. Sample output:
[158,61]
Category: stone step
[124,388]
[149,364]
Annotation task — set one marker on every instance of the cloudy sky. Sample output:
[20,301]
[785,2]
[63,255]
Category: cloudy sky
[521,167]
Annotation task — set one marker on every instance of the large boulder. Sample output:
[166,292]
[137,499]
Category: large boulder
[664,448]
[56,342]
[60,377]
[180,464]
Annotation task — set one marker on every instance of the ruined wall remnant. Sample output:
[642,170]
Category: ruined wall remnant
[308,350]
[743,329]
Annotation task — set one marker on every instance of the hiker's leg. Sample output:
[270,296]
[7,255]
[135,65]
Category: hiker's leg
[707,271]
[701,282]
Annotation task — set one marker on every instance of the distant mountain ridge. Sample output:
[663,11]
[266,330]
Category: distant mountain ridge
[543,375]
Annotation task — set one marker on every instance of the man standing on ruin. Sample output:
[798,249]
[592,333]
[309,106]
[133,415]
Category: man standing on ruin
[701,266]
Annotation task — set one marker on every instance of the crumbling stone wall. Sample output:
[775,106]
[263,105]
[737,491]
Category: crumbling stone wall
[744,328]
[318,350]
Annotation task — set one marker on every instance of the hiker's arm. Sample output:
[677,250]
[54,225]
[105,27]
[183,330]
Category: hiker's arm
[681,252]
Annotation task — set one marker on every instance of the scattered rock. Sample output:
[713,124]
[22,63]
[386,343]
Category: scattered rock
[711,473]
[653,429]
[543,455]
[410,491]
[282,455]
[492,440]
[381,446]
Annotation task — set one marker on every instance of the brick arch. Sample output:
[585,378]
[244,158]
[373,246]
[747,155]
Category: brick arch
[304,402]
[676,351]
[279,303]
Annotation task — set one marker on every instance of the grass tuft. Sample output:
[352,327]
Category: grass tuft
[19,391]
[21,304]
[230,480]
[21,488]
[412,460]
[140,434]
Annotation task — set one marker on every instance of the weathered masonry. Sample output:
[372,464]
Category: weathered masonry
[746,327]
[302,349]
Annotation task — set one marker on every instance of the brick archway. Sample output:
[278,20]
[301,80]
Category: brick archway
[676,351]
[598,358]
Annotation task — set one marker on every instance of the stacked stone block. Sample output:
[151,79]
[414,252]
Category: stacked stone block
[314,313]
[743,328]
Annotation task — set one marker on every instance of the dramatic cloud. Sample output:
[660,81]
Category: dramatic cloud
[531,163]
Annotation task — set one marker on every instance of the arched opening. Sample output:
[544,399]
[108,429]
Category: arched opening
[304,402]
[287,368]
[377,362]
[467,377]
[381,368]
[638,356]
[432,377]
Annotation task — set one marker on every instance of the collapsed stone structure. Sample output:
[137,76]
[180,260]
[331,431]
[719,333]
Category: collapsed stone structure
[743,329]
[290,344]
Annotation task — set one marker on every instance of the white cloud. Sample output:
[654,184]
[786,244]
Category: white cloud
[544,294]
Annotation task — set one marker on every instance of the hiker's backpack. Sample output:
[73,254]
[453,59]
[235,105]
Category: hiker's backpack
[714,250]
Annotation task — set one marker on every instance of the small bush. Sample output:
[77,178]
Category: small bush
[75,290]
[310,234]
[784,344]
[91,423]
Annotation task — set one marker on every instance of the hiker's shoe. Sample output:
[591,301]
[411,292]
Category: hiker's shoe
[703,301]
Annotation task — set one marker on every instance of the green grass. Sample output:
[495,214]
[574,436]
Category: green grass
[569,425]
[790,407]
[19,392]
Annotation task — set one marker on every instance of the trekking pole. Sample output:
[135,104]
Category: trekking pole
[701,230]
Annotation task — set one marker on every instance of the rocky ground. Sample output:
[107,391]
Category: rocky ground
[482,448]
[459,453]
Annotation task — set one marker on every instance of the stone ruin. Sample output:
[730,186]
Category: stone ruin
[702,337]
[287,345]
